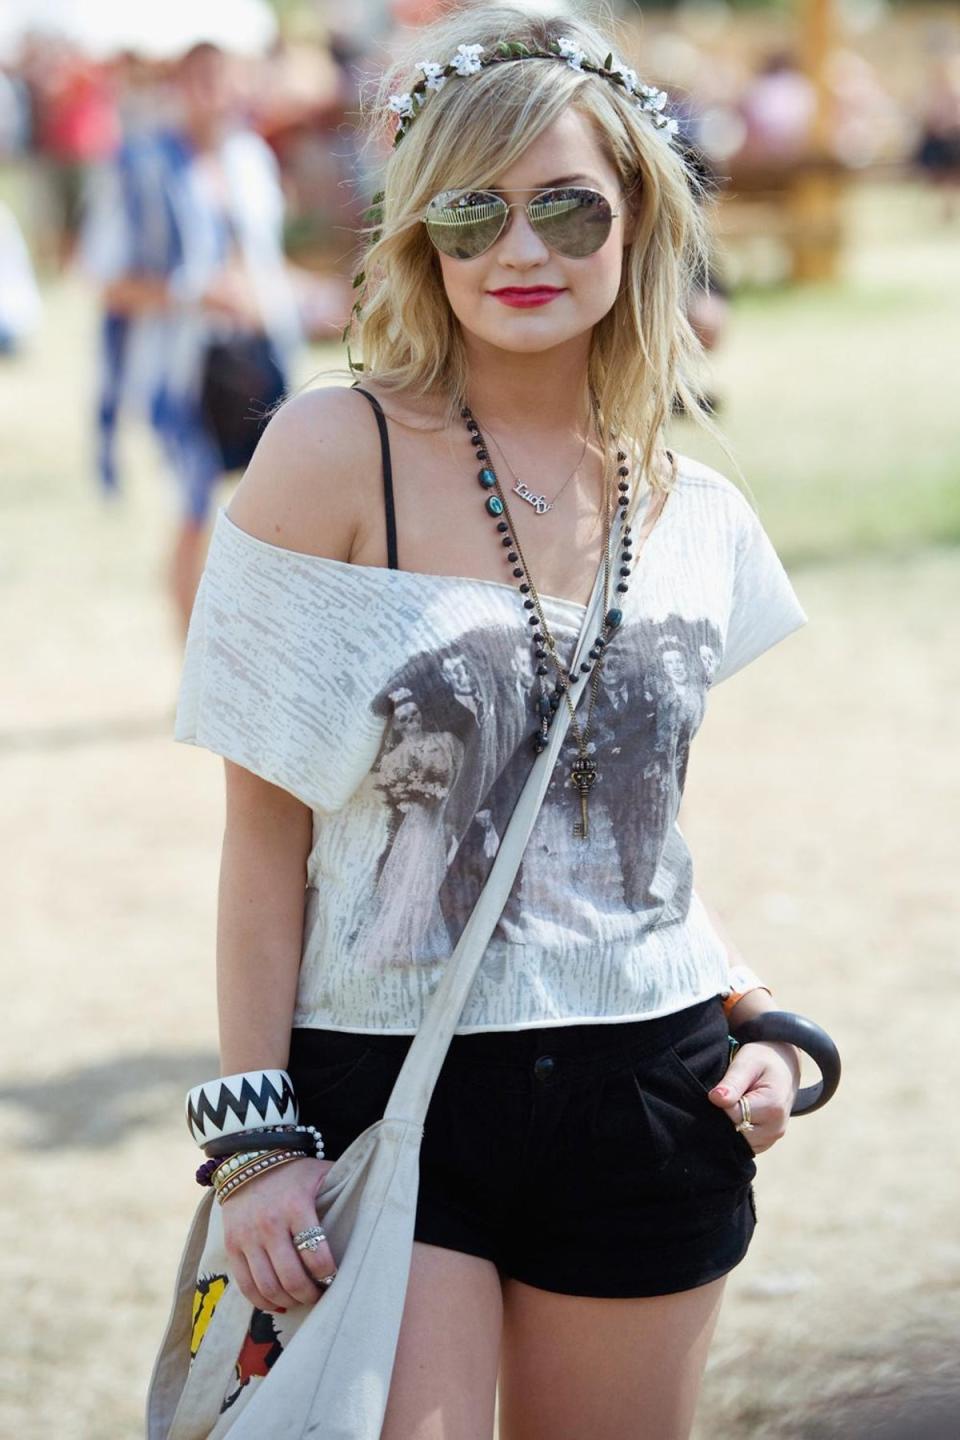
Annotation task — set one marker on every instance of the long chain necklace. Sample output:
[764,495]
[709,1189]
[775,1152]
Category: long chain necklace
[541,505]
[583,771]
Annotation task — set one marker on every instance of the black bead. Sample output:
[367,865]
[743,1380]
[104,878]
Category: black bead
[538,743]
[626,530]
[465,411]
[623,589]
[624,569]
[585,667]
[621,454]
[540,654]
[537,638]
[627,552]
[524,588]
[528,604]
[624,485]
[517,572]
[542,670]
[513,556]
[624,470]
[476,440]
[482,455]
[599,642]
[534,620]
[503,526]
[554,701]
[506,542]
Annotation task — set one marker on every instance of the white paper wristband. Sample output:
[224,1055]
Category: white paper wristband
[251,1101]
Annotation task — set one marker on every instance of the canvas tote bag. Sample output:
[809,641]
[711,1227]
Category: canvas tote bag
[332,1378]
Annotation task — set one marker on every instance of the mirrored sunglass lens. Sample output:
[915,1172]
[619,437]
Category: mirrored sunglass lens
[464,223]
[572,222]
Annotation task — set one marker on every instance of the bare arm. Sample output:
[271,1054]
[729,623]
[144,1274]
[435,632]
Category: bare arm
[303,491]
[266,843]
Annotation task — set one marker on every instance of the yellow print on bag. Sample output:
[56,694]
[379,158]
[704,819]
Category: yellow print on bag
[206,1298]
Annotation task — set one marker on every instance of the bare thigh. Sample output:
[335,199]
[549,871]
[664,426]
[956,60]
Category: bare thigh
[608,1369]
[445,1376]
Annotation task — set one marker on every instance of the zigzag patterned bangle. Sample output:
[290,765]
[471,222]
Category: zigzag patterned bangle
[255,1099]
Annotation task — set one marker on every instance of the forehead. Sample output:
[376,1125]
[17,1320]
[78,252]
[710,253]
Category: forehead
[569,146]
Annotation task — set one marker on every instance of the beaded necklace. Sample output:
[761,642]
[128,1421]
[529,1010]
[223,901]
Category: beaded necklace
[583,771]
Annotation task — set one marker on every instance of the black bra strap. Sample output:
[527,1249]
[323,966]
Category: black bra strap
[388,504]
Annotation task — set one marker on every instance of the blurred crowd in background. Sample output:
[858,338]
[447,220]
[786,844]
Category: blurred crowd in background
[200,171]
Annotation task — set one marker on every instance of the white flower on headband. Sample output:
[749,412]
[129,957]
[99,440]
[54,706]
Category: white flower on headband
[653,99]
[401,105]
[433,74]
[467,59]
[571,52]
[631,80]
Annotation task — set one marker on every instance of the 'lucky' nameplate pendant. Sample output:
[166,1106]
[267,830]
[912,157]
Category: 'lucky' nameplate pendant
[540,503]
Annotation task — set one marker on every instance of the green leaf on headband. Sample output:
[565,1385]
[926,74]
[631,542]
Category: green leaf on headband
[358,279]
[374,215]
[608,63]
[520,49]
[503,48]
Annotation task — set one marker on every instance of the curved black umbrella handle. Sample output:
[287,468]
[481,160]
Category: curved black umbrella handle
[783,1025]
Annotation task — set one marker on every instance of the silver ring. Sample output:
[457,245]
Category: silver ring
[326,1280]
[310,1239]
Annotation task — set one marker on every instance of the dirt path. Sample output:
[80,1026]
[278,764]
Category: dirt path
[822,809]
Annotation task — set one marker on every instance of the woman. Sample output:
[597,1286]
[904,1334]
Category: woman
[523,312]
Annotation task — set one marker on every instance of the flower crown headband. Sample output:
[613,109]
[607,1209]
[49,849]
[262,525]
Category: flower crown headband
[468,61]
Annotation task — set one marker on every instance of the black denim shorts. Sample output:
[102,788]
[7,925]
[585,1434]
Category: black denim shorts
[584,1159]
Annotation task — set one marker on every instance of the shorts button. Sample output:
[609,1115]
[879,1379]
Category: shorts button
[544,1067]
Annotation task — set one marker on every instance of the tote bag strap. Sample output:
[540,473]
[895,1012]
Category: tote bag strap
[411,1093]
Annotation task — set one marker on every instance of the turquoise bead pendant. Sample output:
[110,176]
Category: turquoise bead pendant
[487,478]
[495,505]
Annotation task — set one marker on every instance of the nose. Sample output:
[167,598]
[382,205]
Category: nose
[520,247]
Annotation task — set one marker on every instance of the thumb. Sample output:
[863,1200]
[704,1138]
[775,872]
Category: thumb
[739,1078]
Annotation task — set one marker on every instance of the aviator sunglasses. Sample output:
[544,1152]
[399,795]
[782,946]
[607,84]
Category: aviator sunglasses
[569,219]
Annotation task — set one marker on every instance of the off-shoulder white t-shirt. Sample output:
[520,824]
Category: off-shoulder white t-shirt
[396,705]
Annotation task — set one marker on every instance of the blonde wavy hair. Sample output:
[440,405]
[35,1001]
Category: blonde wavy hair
[643,351]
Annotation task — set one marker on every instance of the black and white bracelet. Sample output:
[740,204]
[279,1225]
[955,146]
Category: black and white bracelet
[256,1099]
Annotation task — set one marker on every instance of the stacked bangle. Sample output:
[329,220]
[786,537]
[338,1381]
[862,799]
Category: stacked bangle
[251,1165]
[234,1103]
[275,1137]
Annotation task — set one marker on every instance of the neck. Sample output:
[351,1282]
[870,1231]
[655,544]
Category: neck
[544,393]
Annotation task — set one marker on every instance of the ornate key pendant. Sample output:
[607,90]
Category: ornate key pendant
[583,773]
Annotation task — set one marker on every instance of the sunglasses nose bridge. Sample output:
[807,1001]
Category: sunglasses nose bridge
[512,228]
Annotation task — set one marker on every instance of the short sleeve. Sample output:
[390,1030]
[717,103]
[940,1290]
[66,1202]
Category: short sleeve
[278,669]
[764,608]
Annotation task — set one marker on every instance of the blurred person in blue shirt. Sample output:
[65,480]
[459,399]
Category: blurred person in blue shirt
[184,235]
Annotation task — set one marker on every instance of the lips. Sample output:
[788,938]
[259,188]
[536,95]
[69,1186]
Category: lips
[527,291]
[526,295]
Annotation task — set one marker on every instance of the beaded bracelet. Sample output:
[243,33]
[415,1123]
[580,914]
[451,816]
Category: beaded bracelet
[226,1188]
[210,1169]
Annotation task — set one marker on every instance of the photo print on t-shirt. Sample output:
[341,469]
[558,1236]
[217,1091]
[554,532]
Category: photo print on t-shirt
[456,752]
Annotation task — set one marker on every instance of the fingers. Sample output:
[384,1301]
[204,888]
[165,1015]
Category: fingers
[264,1292]
[319,1263]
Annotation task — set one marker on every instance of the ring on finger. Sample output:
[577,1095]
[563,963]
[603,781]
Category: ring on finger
[745,1122]
[310,1239]
[326,1280]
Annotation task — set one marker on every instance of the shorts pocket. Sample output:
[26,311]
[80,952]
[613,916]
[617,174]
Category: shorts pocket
[700,1061]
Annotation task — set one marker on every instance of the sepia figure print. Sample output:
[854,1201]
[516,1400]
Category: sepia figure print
[455,757]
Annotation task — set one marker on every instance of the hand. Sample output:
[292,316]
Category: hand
[769,1076]
[230,293]
[259,1223]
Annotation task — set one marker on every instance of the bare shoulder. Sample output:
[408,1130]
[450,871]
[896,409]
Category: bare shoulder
[315,469]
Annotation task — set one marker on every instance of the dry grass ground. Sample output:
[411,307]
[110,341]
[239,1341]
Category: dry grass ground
[822,805]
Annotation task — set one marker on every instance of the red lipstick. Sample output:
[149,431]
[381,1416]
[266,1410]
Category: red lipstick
[525,297]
